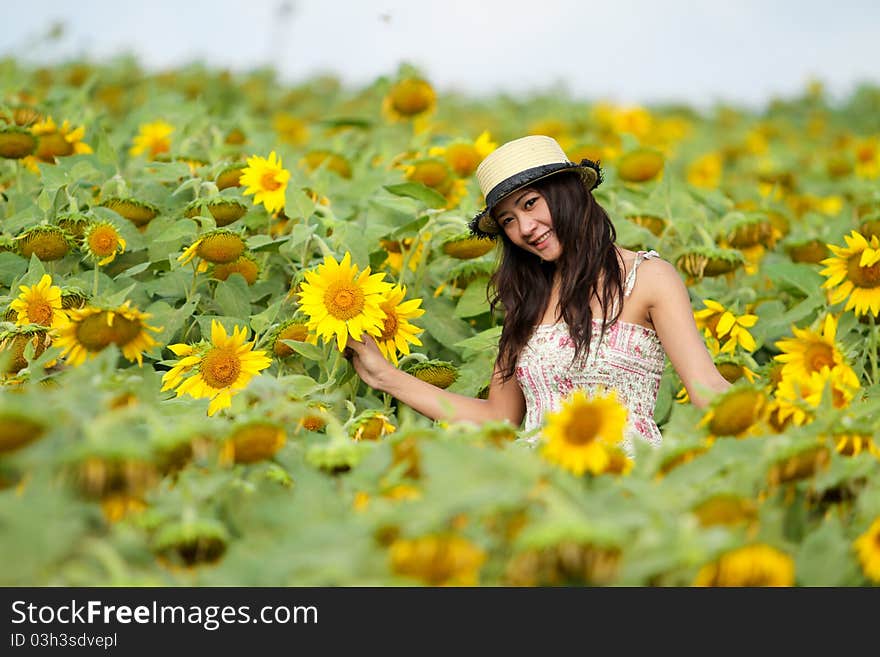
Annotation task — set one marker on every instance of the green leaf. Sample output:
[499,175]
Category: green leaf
[794,275]
[11,267]
[473,301]
[440,322]
[298,204]
[170,320]
[827,545]
[233,297]
[306,350]
[482,342]
[419,192]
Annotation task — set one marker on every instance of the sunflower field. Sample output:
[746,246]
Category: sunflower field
[184,256]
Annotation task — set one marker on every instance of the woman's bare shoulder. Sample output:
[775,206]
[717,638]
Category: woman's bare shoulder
[659,276]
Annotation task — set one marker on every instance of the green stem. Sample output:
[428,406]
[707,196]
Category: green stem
[97,272]
[872,346]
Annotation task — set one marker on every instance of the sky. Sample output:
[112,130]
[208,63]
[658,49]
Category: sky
[626,51]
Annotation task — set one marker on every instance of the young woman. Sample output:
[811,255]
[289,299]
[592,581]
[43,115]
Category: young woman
[580,312]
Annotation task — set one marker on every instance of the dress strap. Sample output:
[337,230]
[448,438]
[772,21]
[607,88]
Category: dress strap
[631,277]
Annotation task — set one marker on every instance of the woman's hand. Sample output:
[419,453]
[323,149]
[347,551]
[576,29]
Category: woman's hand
[369,362]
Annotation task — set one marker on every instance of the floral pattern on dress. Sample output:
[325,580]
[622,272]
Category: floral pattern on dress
[629,359]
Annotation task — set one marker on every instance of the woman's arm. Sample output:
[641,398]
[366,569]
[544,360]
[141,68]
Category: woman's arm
[505,400]
[672,315]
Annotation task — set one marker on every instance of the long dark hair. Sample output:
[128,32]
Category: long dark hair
[522,283]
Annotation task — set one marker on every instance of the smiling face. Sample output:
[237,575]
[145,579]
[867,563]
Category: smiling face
[524,216]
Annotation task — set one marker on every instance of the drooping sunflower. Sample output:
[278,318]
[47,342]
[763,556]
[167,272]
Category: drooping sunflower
[16,142]
[579,435]
[371,425]
[54,141]
[465,246]
[138,212]
[737,412]
[218,246]
[435,173]
[48,243]
[266,179]
[854,274]
[93,329]
[40,304]
[751,565]
[437,560]
[810,350]
[867,548]
[440,373]
[225,367]
[339,301]
[293,329]
[244,265]
[103,242]
[397,332]
[152,139]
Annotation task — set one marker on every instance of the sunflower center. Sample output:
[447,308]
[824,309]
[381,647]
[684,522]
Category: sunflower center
[865,154]
[220,367]
[94,334]
[819,355]
[864,277]
[389,329]
[344,300]
[267,181]
[102,242]
[40,312]
[583,426]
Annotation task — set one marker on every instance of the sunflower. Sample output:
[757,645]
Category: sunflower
[290,129]
[140,213]
[751,565]
[294,330]
[153,139]
[103,242]
[810,350]
[371,425]
[464,156]
[867,547]
[230,176]
[799,465]
[223,210]
[16,142]
[339,301]
[867,156]
[58,142]
[579,435]
[40,304]
[14,344]
[225,366]
[737,412]
[266,179]
[92,329]
[437,560]
[218,246]
[397,332]
[719,323]
[327,160]
[245,265]
[700,261]
[409,98]
[438,373]
[705,171]
[254,441]
[725,509]
[466,246]
[48,243]
[640,165]
[435,173]
[854,272]
[797,395]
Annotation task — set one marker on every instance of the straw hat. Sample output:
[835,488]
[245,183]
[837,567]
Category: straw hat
[517,164]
